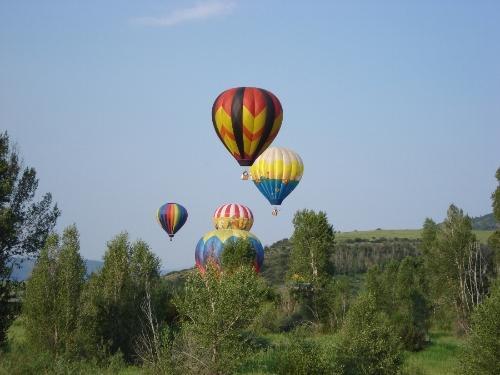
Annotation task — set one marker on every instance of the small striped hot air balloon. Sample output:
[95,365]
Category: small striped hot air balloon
[171,217]
[211,245]
[233,216]
[276,173]
[246,120]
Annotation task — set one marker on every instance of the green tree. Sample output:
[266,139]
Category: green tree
[51,303]
[312,244]
[215,310]
[236,254]
[494,239]
[310,269]
[112,299]
[458,266]
[368,344]
[400,292]
[481,353]
[24,222]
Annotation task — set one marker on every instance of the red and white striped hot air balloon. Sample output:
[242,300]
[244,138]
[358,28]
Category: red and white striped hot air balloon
[233,216]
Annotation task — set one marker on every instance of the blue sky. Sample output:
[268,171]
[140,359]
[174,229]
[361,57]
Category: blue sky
[393,106]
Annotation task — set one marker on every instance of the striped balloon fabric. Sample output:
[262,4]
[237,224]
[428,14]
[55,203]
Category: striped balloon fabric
[246,120]
[233,216]
[171,217]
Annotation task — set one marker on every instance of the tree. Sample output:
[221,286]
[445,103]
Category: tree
[310,266]
[494,239]
[480,354]
[459,266]
[24,222]
[215,311]
[112,299]
[236,254]
[51,304]
[312,244]
[368,344]
[400,292]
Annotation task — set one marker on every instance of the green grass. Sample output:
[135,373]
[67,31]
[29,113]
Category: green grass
[482,235]
[439,358]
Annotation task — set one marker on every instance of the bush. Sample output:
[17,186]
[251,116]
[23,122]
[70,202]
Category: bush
[481,353]
[368,343]
[299,354]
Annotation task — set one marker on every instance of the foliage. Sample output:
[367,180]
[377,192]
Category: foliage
[299,354]
[310,266]
[236,254]
[368,343]
[481,354]
[215,311]
[495,197]
[458,266]
[312,243]
[400,291]
[112,298]
[357,255]
[494,239]
[51,303]
[24,223]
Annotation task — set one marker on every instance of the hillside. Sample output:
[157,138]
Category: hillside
[412,234]
[485,222]
[355,252]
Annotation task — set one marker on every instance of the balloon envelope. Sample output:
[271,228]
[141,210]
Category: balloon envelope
[171,217]
[276,173]
[233,216]
[246,120]
[211,245]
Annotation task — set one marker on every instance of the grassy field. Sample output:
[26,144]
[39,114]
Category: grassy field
[482,235]
[439,358]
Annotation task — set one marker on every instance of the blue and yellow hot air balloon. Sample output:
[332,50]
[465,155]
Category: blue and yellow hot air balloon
[276,173]
[211,245]
[171,217]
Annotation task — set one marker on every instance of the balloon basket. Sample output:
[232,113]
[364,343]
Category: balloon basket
[245,176]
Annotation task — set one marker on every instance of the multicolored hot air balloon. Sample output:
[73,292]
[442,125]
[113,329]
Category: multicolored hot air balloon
[210,247]
[233,216]
[171,217]
[246,119]
[276,173]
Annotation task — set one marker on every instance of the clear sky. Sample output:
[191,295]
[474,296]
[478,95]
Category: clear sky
[394,107]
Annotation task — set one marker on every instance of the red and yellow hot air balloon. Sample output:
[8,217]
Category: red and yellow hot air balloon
[233,216]
[246,119]
[171,217]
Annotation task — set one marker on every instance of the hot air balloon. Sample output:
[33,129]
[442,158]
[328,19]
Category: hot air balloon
[276,173]
[233,216]
[210,246]
[246,119]
[171,217]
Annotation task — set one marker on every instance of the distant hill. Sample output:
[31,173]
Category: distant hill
[23,271]
[355,252]
[485,222]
